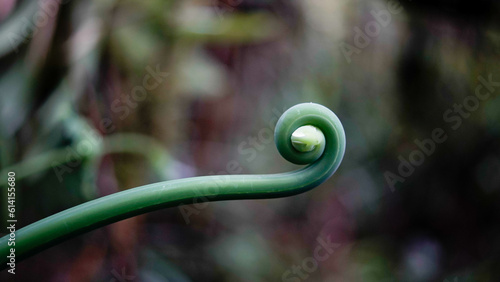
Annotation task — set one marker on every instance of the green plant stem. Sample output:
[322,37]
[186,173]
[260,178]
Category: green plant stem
[324,161]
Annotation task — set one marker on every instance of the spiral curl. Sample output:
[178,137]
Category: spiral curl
[323,161]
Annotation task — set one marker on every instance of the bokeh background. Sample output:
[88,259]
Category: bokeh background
[75,125]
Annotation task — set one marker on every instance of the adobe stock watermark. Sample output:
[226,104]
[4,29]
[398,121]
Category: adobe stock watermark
[47,9]
[248,148]
[454,117]
[92,142]
[121,276]
[128,102]
[364,37]
[416,158]
[302,271]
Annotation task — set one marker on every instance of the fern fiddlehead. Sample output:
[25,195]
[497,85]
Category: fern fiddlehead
[305,134]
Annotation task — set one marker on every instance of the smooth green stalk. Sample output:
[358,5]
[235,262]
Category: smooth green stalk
[323,160]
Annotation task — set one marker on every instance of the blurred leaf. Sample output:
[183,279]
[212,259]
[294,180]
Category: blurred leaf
[203,25]
[199,74]
[135,44]
[15,100]
[17,28]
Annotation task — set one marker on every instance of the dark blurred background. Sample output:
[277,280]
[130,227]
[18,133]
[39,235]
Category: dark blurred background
[101,96]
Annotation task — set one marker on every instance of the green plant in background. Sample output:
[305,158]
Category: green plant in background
[305,134]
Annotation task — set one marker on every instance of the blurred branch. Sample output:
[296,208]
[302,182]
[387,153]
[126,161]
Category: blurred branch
[132,143]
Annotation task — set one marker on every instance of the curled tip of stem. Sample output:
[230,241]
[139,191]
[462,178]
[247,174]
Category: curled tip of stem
[308,132]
